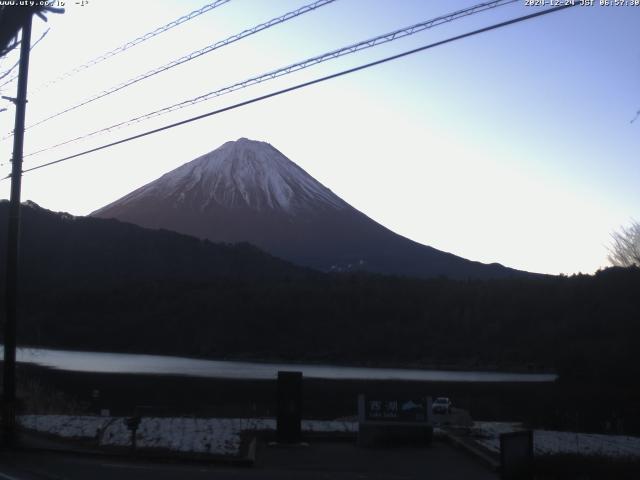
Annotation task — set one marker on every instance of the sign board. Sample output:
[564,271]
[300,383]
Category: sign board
[385,409]
[385,420]
[516,455]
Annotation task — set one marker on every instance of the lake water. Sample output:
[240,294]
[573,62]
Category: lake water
[164,365]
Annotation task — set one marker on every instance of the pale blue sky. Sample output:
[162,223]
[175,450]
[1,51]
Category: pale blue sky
[514,146]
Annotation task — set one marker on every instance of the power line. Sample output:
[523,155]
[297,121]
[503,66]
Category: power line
[132,43]
[7,72]
[303,85]
[9,48]
[210,48]
[365,44]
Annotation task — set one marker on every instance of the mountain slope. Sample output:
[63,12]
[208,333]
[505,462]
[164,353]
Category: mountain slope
[249,191]
[62,251]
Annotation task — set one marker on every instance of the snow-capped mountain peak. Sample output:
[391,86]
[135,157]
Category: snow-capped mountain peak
[247,191]
[242,173]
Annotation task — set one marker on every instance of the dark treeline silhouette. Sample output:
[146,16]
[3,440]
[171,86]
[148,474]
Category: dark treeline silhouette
[104,285]
[63,252]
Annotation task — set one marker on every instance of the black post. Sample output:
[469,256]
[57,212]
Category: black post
[289,407]
[11,285]
[132,424]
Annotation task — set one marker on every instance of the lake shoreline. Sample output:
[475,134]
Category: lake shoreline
[413,366]
[174,395]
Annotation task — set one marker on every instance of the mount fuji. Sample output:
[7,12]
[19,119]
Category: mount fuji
[247,191]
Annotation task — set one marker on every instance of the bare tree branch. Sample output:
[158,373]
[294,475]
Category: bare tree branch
[624,250]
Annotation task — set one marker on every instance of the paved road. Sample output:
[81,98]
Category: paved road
[340,461]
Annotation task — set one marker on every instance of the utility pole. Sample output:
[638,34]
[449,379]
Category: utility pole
[11,284]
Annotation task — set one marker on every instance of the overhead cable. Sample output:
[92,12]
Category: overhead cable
[303,85]
[8,71]
[126,46]
[365,44]
[186,58]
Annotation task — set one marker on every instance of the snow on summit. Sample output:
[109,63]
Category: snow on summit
[242,173]
[247,191]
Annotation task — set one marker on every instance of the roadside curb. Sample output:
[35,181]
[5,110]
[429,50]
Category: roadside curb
[485,459]
[243,460]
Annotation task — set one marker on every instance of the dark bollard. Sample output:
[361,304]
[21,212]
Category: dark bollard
[132,424]
[516,455]
[289,407]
